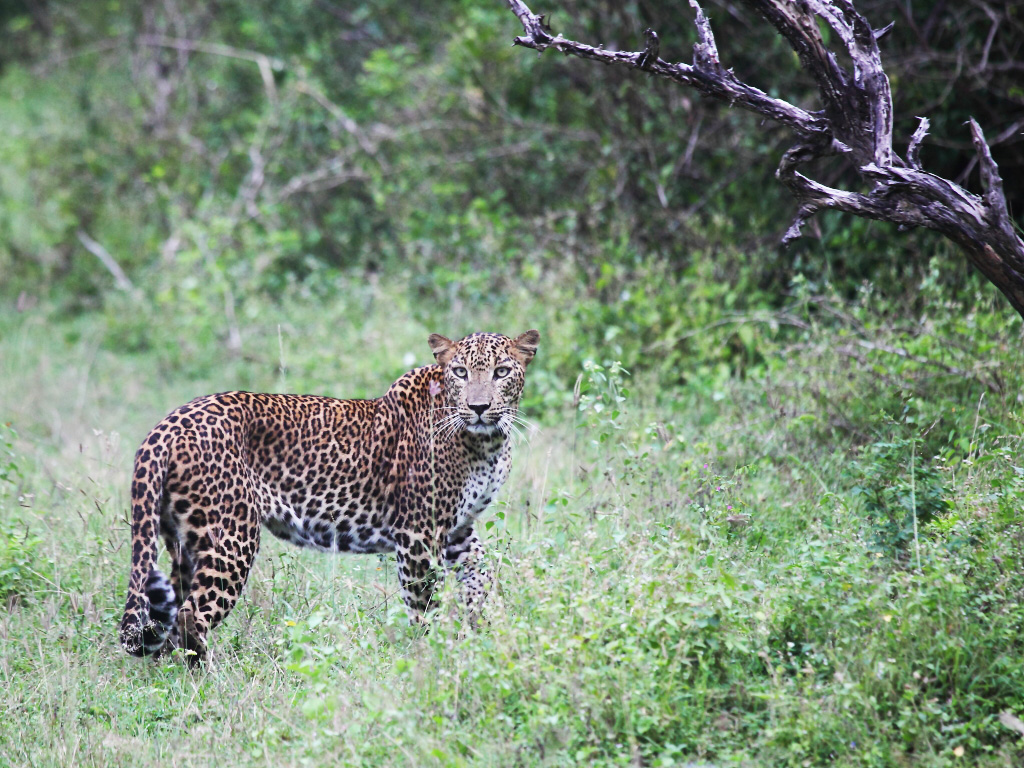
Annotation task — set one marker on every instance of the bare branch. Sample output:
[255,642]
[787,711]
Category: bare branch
[47,65]
[881,34]
[350,126]
[914,148]
[993,183]
[650,53]
[856,121]
[718,83]
[536,30]
[332,174]
[107,260]
[262,61]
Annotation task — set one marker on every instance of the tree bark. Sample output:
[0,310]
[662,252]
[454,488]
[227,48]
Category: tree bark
[855,121]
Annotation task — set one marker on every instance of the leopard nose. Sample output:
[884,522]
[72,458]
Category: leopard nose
[479,408]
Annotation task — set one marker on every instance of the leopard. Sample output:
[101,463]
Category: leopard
[408,473]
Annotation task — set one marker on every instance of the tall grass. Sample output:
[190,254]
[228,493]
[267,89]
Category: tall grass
[708,571]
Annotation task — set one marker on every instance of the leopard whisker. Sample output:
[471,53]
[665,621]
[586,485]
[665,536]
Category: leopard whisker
[526,424]
[447,426]
[509,428]
[456,424]
[454,428]
[450,429]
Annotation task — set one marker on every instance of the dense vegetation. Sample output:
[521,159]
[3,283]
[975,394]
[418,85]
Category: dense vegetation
[770,513]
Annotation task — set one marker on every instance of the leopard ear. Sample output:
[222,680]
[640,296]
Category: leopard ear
[524,347]
[442,347]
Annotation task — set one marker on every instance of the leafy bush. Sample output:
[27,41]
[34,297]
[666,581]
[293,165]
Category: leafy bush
[23,569]
[901,491]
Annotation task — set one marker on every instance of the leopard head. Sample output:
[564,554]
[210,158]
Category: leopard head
[483,379]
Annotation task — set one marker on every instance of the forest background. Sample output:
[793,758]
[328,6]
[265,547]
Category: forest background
[770,509]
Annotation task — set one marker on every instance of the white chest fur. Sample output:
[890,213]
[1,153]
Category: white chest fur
[486,476]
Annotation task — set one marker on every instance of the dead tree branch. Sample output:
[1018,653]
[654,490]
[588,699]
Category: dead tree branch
[108,261]
[855,121]
[263,62]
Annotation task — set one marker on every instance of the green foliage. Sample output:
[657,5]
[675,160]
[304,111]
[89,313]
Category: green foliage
[23,570]
[600,394]
[900,490]
[726,556]
[9,470]
[300,137]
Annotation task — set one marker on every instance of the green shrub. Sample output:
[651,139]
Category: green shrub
[23,569]
[900,492]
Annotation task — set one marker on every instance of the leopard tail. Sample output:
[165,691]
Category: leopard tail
[152,607]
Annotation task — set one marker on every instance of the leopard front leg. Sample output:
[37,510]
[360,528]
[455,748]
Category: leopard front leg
[417,574]
[464,554]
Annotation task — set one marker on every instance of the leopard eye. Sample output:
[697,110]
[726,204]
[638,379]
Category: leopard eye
[502,371]
[461,372]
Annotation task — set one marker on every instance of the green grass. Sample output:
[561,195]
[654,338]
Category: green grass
[718,569]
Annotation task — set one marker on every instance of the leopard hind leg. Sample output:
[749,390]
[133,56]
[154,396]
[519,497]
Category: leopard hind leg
[218,543]
[180,579]
[219,577]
